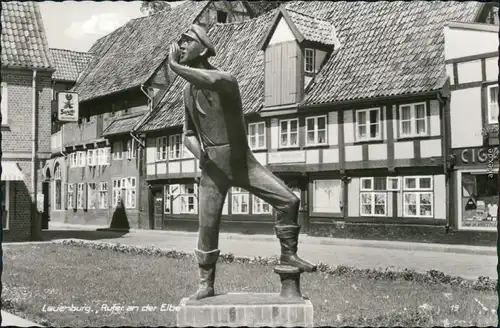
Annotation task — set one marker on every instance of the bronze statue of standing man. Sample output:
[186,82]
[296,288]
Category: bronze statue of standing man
[215,132]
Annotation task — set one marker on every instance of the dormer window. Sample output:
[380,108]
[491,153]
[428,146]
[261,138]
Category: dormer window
[221,16]
[309,59]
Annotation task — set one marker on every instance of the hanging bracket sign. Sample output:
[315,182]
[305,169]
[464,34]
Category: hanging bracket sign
[67,106]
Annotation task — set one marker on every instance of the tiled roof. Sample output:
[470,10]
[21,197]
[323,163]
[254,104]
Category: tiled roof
[387,48]
[261,7]
[135,51]
[69,64]
[313,29]
[237,50]
[122,125]
[24,44]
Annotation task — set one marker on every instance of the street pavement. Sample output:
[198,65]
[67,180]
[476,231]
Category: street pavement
[468,262]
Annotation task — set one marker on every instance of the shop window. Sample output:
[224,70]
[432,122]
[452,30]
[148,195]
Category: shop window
[373,196]
[183,198]
[493,104]
[58,188]
[327,196]
[418,197]
[413,120]
[239,199]
[479,199]
[316,130]
[4,186]
[103,195]
[368,124]
[257,135]
[289,133]
[260,207]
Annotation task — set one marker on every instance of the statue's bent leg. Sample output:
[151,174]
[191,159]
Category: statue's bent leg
[212,194]
[264,184]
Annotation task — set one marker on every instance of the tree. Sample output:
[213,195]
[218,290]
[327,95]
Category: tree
[153,7]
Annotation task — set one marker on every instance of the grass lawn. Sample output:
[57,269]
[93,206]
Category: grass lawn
[42,275]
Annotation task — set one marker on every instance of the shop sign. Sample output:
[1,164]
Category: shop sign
[67,106]
[470,156]
[284,157]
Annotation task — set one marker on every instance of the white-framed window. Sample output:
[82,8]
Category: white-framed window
[81,159]
[130,193]
[91,157]
[91,196]
[260,207]
[257,135]
[309,60]
[131,149]
[327,196]
[316,130]
[103,195]
[239,199]
[183,198]
[4,186]
[104,155]
[73,161]
[174,149]
[80,197]
[373,196]
[368,124]
[58,192]
[413,120]
[4,103]
[289,133]
[161,148]
[393,184]
[70,195]
[492,104]
[117,150]
[418,196]
[117,191]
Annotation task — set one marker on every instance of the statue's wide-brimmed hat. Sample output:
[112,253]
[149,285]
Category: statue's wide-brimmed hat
[198,33]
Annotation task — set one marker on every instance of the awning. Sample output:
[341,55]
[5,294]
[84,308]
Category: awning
[11,172]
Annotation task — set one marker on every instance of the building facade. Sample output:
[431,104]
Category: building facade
[473,72]
[26,73]
[99,161]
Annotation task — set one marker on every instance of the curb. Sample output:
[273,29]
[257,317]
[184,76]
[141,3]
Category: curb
[305,239]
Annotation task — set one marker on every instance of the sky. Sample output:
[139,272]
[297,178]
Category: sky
[76,25]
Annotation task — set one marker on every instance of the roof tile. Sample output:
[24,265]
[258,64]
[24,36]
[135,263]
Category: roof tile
[122,125]
[314,29]
[128,57]
[69,64]
[24,43]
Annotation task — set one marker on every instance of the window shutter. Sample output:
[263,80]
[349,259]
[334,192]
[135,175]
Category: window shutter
[65,196]
[75,195]
[289,74]
[85,196]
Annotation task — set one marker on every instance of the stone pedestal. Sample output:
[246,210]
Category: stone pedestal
[246,309]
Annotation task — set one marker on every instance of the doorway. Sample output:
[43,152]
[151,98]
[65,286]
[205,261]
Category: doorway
[158,209]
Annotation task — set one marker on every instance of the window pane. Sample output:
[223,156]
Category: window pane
[252,129]
[406,128]
[420,111]
[374,116]
[373,130]
[284,140]
[379,183]
[425,183]
[293,139]
[310,137]
[284,127]
[321,123]
[410,183]
[293,126]
[420,126]
[406,113]
[261,141]
[362,131]
[361,117]
[426,204]
[310,124]
[322,137]
[366,184]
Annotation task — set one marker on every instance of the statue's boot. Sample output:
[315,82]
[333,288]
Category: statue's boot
[288,236]
[206,263]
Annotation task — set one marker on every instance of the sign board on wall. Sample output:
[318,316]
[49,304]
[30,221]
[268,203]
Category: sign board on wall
[472,156]
[67,106]
[285,157]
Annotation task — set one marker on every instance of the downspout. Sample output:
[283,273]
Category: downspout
[34,217]
[444,124]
